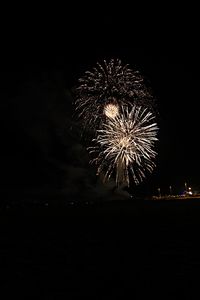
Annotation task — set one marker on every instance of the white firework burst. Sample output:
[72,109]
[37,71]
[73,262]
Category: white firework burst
[111,110]
[125,145]
[107,87]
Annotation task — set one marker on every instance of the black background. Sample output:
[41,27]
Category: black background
[51,250]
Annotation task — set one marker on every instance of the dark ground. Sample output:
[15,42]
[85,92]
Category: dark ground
[108,250]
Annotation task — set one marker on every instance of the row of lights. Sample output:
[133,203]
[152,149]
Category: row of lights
[188,190]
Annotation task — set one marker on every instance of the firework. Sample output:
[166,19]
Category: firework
[106,88]
[125,145]
[111,110]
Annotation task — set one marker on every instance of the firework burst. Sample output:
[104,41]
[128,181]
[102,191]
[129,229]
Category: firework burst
[125,145]
[106,88]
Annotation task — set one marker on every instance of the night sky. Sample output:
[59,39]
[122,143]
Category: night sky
[41,62]
[54,249]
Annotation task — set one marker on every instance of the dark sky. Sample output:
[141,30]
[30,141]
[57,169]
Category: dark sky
[42,58]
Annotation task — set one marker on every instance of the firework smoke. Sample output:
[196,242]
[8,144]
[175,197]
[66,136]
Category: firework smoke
[125,145]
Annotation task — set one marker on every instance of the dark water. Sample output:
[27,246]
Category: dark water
[118,249]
